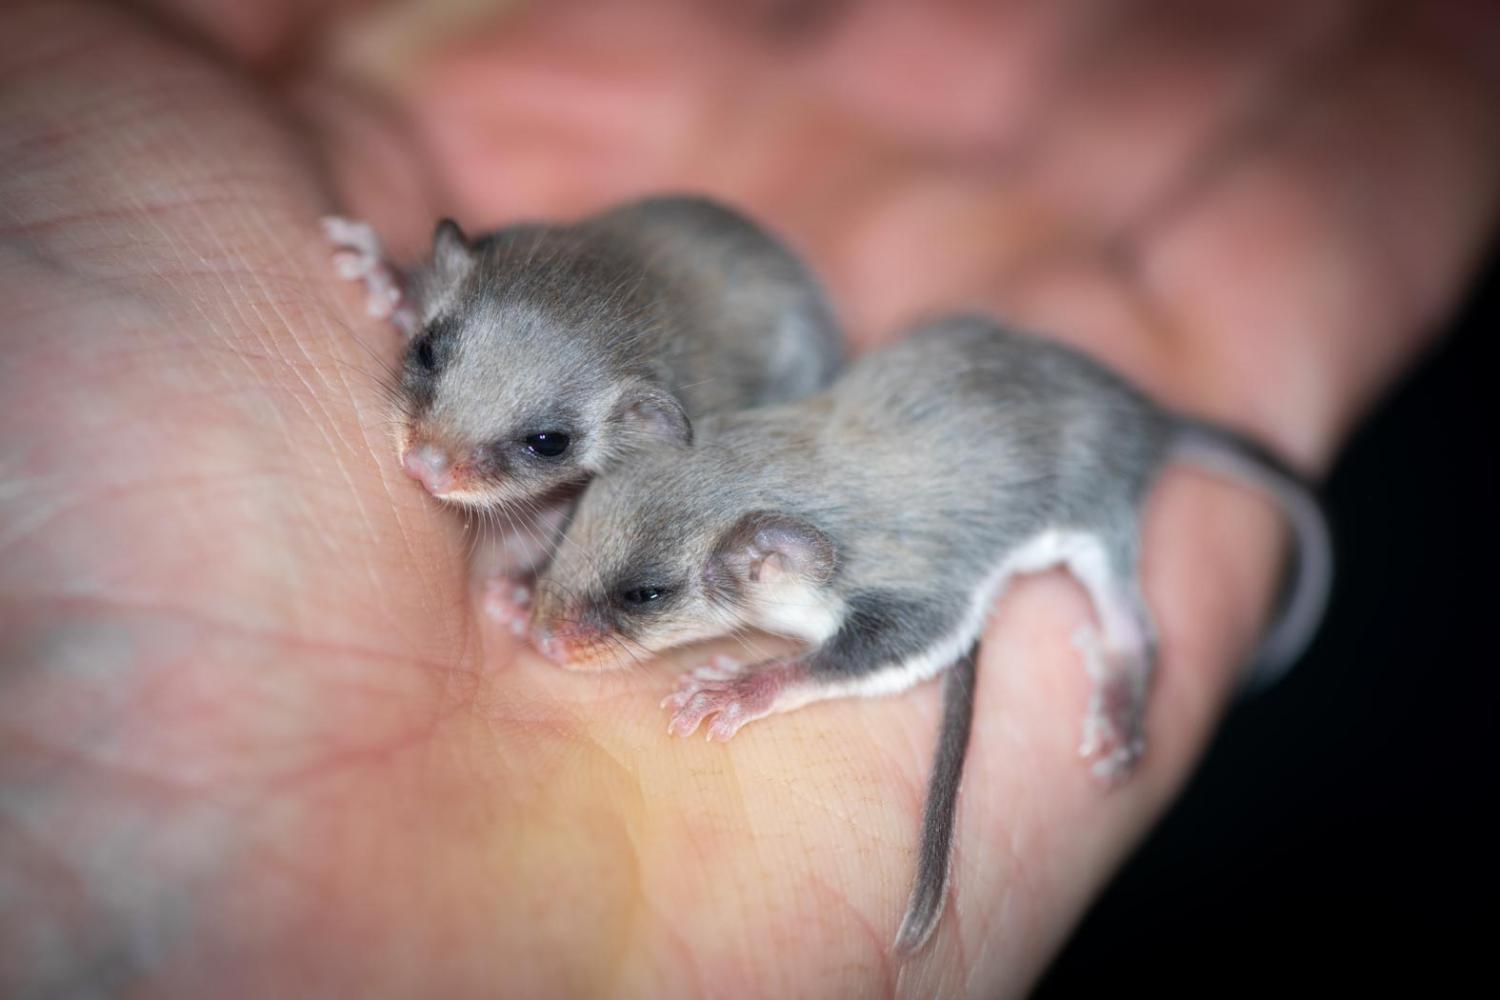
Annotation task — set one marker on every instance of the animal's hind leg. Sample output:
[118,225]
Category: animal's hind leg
[1119,657]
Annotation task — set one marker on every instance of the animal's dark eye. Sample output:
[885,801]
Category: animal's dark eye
[640,596]
[548,444]
[426,354]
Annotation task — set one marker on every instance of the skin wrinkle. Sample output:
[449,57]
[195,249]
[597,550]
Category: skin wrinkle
[328,424]
[350,396]
[1122,246]
[628,832]
[1069,44]
[846,818]
[1255,126]
[411,547]
[845,863]
[761,834]
[175,156]
[164,683]
[136,780]
[352,758]
[1279,71]
[730,801]
[685,956]
[874,962]
[182,791]
[312,401]
[243,630]
[1292,137]
[23,528]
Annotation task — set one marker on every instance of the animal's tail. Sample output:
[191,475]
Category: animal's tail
[930,887]
[1219,450]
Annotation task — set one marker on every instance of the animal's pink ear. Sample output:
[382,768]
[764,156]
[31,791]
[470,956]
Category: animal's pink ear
[654,413]
[452,253]
[765,545]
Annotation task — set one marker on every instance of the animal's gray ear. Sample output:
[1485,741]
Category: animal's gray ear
[654,413]
[766,545]
[452,253]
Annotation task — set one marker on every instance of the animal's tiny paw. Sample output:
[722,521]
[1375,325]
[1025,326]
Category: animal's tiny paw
[357,256]
[728,692]
[508,603]
[1114,735]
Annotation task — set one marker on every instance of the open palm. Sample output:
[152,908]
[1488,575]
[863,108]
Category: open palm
[253,737]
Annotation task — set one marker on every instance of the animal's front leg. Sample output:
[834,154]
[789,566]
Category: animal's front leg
[358,256]
[734,694]
[508,561]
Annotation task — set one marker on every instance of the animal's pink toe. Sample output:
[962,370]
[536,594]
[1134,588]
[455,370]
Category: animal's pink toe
[348,265]
[509,604]
[689,715]
[727,723]
[733,697]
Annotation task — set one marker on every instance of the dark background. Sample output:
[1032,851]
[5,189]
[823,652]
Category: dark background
[1335,833]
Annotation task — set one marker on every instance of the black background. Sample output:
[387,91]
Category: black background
[1335,834]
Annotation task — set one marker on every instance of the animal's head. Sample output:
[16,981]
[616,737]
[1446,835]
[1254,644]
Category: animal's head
[654,560]
[518,380]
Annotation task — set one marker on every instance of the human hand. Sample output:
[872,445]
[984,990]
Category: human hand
[251,732]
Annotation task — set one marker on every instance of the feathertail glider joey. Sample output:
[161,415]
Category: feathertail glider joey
[877,521]
[540,355]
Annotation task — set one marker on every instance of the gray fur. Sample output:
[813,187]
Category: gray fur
[930,886]
[896,494]
[923,465]
[619,329]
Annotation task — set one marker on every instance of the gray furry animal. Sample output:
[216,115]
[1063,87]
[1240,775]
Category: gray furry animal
[542,354]
[878,520]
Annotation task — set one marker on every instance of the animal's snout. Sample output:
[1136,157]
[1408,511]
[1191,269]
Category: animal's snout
[573,644]
[559,641]
[431,466]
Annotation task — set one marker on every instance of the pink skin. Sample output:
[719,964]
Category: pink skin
[508,603]
[220,683]
[429,465]
[731,694]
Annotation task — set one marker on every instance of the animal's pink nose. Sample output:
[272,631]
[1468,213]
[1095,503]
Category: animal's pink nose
[431,466]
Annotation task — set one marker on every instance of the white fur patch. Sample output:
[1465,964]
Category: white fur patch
[1045,551]
[791,606]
